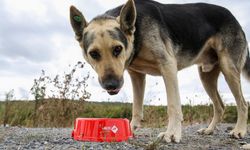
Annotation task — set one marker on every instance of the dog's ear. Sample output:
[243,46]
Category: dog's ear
[128,17]
[78,22]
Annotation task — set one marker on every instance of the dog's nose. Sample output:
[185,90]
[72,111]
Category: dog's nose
[111,84]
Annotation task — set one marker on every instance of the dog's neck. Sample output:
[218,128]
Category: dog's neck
[131,58]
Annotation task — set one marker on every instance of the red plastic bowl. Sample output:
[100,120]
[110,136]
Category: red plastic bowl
[101,130]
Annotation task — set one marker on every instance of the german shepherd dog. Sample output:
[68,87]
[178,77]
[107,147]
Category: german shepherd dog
[147,37]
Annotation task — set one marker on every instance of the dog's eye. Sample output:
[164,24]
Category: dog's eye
[95,55]
[117,50]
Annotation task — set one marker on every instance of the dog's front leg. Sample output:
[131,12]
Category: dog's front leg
[175,117]
[138,83]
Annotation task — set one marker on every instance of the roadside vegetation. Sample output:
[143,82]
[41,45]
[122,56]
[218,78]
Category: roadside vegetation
[62,113]
[59,100]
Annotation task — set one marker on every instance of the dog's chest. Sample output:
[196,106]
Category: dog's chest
[145,65]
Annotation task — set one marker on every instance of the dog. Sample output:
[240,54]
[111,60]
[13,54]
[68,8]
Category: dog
[147,37]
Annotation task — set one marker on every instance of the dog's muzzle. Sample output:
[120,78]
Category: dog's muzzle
[112,84]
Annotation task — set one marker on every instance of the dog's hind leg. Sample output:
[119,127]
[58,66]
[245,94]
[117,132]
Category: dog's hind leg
[138,82]
[232,52]
[209,81]
[232,76]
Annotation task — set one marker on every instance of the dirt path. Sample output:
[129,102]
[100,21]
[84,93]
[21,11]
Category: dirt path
[59,138]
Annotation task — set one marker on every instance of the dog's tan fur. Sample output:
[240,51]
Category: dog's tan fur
[162,58]
[104,42]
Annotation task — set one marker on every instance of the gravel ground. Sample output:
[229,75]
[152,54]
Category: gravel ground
[60,138]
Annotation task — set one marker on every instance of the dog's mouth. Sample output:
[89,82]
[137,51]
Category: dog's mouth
[111,84]
[113,92]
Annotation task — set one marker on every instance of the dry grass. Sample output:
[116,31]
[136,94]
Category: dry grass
[62,113]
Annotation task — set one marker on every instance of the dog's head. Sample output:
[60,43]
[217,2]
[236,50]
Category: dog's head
[107,43]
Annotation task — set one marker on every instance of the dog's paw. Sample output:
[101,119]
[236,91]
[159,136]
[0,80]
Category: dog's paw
[170,136]
[246,146]
[205,131]
[135,124]
[238,133]
[173,133]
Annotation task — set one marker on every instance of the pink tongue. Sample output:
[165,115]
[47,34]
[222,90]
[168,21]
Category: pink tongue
[116,90]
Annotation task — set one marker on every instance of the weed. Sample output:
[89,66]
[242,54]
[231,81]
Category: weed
[71,85]
[51,114]
[8,96]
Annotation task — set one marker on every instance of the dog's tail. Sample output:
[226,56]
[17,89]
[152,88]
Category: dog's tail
[246,69]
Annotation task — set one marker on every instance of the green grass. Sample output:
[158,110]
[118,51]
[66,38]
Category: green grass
[62,113]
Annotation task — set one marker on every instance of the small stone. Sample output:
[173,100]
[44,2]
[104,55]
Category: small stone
[229,128]
[242,142]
